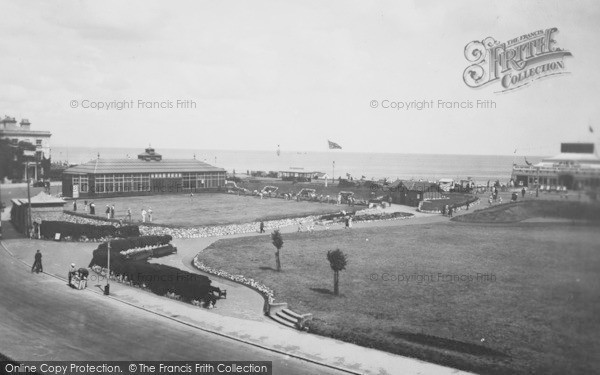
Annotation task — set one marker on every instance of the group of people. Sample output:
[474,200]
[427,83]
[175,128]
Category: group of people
[110,211]
[448,210]
[78,277]
[87,207]
[145,213]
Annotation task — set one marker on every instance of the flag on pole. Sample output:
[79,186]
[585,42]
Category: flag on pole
[333,145]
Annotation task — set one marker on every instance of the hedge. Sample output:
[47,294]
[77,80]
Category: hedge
[159,278]
[75,230]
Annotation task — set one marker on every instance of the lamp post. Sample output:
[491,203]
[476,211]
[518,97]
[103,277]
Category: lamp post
[537,188]
[107,286]
[28,200]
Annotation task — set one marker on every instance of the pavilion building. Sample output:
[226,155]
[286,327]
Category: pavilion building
[577,167]
[149,174]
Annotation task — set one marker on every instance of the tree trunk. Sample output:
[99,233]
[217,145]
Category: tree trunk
[278,262]
[336,280]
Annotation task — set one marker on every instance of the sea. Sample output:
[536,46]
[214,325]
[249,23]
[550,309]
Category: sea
[336,163]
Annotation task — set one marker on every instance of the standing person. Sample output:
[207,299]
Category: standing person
[523,193]
[261,227]
[85,206]
[129,214]
[450,211]
[37,263]
[75,205]
[350,222]
[143,215]
[83,276]
[72,271]
[347,223]
[112,211]
[192,196]
[107,211]
[92,208]
[390,201]
[150,214]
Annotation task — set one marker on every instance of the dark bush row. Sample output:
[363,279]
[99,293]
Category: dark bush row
[118,245]
[159,278]
[49,228]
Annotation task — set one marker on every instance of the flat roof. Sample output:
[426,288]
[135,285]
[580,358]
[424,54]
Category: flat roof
[42,199]
[106,166]
[574,157]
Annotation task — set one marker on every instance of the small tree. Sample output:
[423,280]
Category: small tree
[337,261]
[278,243]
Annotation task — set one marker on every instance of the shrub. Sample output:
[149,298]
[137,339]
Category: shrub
[159,278]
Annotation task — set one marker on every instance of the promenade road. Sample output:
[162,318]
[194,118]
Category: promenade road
[43,319]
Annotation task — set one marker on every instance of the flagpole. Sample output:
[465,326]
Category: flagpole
[333,172]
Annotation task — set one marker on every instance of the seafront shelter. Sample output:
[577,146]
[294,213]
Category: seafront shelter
[43,207]
[410,193]
[300,176]
[147,175]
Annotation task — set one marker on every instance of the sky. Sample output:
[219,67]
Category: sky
[294,74]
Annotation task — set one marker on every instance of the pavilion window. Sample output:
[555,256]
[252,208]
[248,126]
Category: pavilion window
[100,184]
[84,185]
[118,179]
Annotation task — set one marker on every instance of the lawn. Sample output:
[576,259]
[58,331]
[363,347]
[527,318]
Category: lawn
[210,208]
[513,212]
[532,304]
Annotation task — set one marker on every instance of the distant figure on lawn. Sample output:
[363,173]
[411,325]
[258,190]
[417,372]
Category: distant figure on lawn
[192,196]
[75,205]
[444,209]
[112,211]
[37,263]
[149,214]
[129,214]
[107,211]
[390,201]
[92,208]
[523,193]
[144,215]
[85,206]
[261,227]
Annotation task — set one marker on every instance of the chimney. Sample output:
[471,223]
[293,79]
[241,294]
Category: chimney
[25,124]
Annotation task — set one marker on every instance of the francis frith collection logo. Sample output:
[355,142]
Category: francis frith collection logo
[515,63]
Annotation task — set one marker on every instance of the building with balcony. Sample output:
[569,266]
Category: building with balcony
[31,159]
[577,167]
[149,174]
